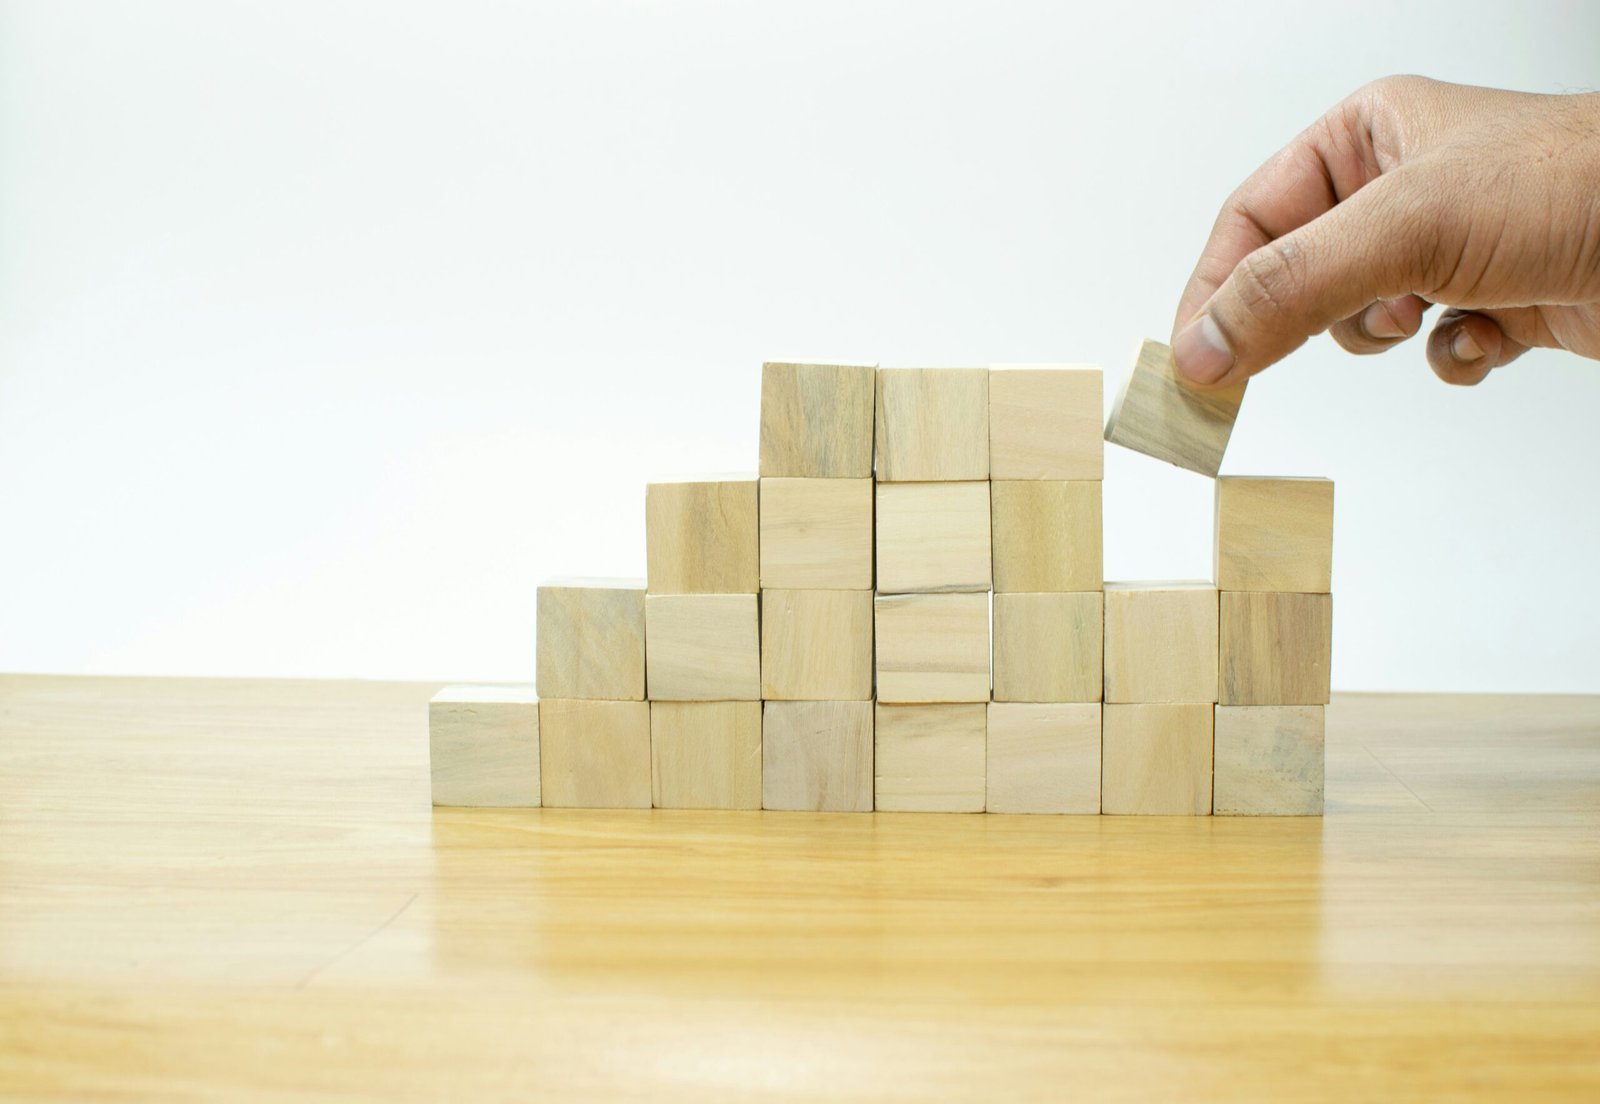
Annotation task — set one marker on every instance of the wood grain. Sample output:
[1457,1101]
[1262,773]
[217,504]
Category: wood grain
[1161,642]
[1274,534]
[218,889]
[932,647]
[1047,536]
[816,420]
[816,645]
[1048,647]
[932,424]
[705,755]
[1275,648]
[1156,760]
[1268,760]
[703,647]
[929,758]
[594,754]
[817,756]
[933,537]
[1157,414]
[816,534]
[1043,758]
[591,639]
[483,746]
[702,536]
[1044,423]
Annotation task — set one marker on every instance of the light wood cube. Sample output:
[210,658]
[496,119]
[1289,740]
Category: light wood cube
[932,424]
[1044,423]
[1048,647]
[702,536]
[1276,648]
[483,746]
[1160,415]
[816,420]
[816,645]
[816,534]
[930,758]
[595,754]
[1161,642]
[933,647]
[705,755]
[1269,760]
[1044,758]
[1047,535]
[1156,760]
[933,537]
[591,639]
[702,647]
[817,756]
[1274,534]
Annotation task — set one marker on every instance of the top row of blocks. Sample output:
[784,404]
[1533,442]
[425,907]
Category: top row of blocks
[824,421]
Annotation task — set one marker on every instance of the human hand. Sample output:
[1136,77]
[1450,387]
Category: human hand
[1411,192]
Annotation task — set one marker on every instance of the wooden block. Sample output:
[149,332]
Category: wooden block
[1048,647]
[702,536]
[483,746]
[595,754]
[816,534]
[932,424]
[1046,535]
[591,639]
[1274,534]
[1160,415]
[1269,760]
[817,756]
[930,758]
[933,537]
[816,420]
[1044,423]
[1156,760]
[932,647]
[705,755]
[1161,642]
[816,645]
[1043,758]
[1276,648]
[702,647]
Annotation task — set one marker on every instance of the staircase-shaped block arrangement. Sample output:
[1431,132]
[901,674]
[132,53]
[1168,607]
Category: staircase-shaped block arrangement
[905,610]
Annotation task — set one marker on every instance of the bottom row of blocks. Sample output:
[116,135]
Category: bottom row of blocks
[502,748]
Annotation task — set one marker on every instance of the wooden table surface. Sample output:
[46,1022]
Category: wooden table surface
[237,890]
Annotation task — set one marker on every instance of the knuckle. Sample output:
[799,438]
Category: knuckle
[1270,278]
[1390,112]
[1394,89]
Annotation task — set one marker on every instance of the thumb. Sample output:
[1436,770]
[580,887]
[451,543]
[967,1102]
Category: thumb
[1352,255]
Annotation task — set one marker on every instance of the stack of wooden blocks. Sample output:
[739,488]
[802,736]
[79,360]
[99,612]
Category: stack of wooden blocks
[818,637]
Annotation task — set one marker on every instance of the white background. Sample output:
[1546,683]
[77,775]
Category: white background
[327,329]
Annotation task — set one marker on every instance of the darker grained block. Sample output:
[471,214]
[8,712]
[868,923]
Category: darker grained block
[1275,648]
[1159,415]
[816,420]
[591,639]
[1269,760]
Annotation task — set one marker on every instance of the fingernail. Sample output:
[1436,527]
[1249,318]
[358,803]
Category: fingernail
[1379,323]
[1463,348]
[1201,351]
